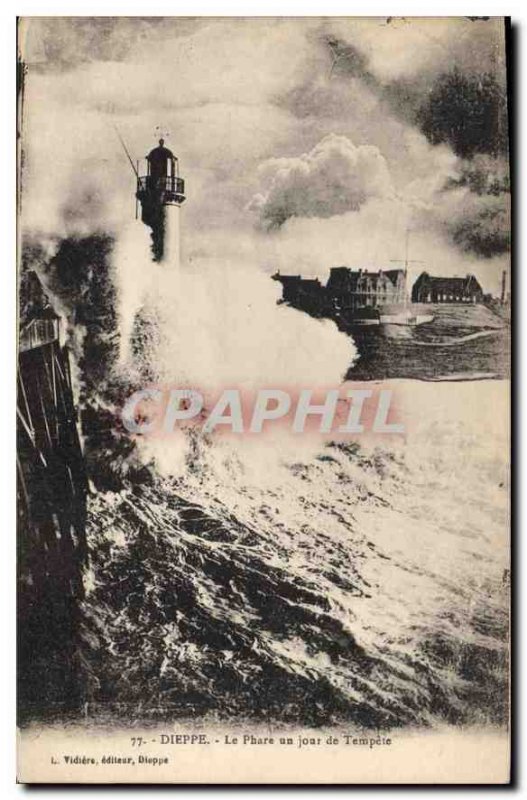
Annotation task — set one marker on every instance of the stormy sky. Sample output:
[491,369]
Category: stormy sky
[305,143]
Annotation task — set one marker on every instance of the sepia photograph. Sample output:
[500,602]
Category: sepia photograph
[263,400]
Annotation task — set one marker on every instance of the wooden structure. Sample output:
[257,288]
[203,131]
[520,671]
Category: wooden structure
[51,489]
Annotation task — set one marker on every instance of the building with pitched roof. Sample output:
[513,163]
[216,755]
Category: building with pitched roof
[431,289]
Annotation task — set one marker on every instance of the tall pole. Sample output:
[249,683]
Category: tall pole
[407,238]
[406,262]
[136,199]
[129,157]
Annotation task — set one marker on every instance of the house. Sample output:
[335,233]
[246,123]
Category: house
[307,294]
[352,289]
[431,289]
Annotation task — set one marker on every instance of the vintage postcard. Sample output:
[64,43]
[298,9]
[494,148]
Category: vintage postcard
[264,302]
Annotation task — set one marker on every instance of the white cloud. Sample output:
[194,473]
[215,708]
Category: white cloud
[334,177]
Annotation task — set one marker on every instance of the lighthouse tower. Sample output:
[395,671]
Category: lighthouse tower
[161,192]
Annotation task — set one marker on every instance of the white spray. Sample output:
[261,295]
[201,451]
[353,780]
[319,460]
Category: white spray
[172,243]
[218,325]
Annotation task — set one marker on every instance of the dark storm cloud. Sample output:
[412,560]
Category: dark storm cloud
[486,233]
[461,106]
[469,112]
[482,174]
[466,111]
[478,203]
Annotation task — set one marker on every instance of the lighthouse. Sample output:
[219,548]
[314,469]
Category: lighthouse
[161,193]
